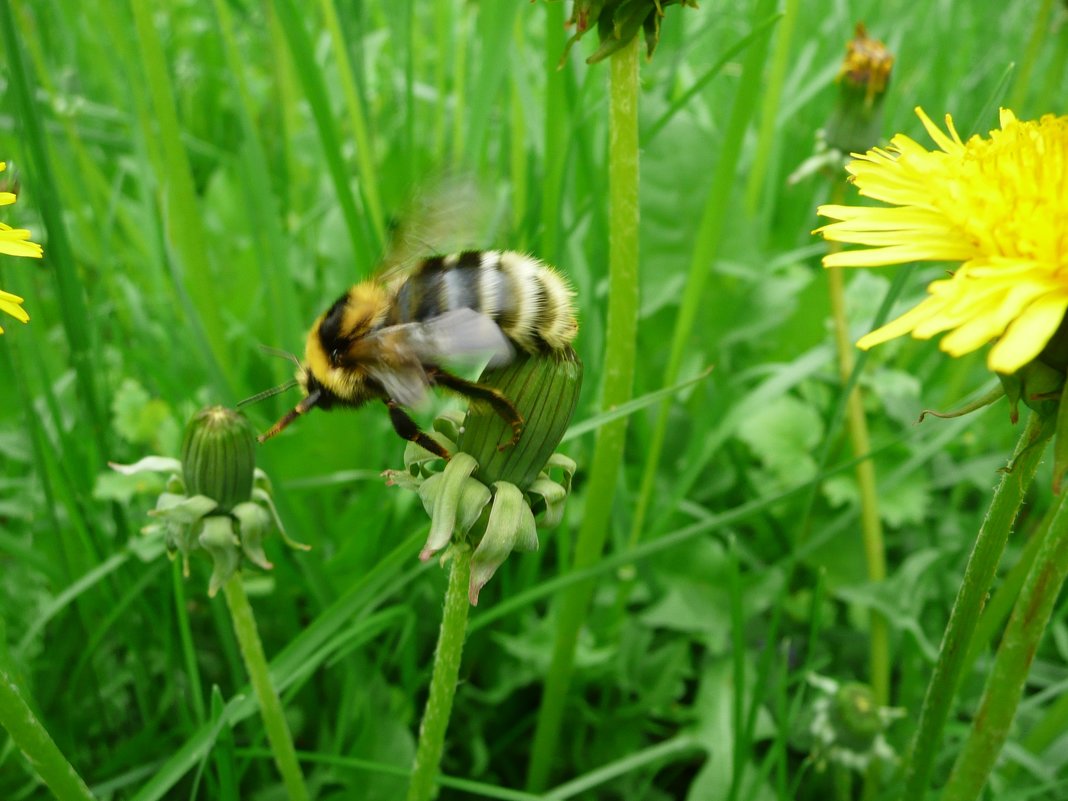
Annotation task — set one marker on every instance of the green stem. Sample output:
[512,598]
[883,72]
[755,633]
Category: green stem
[443,680]
[35,743]
[857,425]
[1005,683]
[274,719]
[978,575]
[620,353]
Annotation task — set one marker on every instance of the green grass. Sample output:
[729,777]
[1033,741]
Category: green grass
[207,177]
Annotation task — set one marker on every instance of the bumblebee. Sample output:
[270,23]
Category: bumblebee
[389,338]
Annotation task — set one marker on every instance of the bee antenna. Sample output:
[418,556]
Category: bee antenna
[268,393]
[283,354]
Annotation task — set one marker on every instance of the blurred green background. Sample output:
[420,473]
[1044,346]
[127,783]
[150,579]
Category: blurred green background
[207,177]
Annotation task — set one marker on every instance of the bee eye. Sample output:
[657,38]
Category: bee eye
[335,356]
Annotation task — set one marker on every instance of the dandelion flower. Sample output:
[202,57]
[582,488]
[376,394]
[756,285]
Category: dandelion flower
[998,205]
[14,242]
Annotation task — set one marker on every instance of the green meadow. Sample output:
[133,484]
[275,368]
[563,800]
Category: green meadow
[742,599]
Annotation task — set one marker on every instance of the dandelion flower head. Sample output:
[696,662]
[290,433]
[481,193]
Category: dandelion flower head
[996,204]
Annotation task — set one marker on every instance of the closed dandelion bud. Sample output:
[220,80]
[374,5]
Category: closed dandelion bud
[856,121]
[855,716]
[544,390]
[219,457]
[496,490]
[216,500]
[848,726]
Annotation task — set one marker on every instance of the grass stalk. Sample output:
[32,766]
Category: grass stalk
[766,138]
[443,680]
[292,23]
[963,617]
[365,154]
[36,744]
[274,719]
[618,387]
[178,203]
[857,426]
[716,212]
[1004,685]
[1039,34]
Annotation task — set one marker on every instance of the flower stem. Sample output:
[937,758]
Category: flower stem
[620,354]
[443,680]
[36,744]
[1005,683]
[857,425]
[274,720]
[964,615]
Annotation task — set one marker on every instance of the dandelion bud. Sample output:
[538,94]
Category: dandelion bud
[219,457]
[848,726]
[855,123]
[217,501]
[544,390]
[494,492]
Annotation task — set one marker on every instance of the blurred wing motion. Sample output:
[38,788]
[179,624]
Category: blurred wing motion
[396,356]
[449,216]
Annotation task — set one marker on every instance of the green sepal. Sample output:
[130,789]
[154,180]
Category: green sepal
[1013,385]
[446,503]
[254,523]
[1060,447]
[1041,387]
[510,527]
[216,536]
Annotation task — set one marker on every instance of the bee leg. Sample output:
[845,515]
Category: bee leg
[408,429]
[493,398]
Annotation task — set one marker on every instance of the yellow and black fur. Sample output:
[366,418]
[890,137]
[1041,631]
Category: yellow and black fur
[387,338]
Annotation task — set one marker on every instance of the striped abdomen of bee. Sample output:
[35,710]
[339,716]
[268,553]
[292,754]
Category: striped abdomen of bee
[527,299]
[388,338]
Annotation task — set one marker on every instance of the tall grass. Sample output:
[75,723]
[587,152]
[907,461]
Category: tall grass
[207,178]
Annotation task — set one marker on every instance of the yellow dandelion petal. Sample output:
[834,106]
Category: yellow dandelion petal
[7,198]
[902,325]
[949,145]
[1028,334]
[997,204]
[15,242]
[12,304]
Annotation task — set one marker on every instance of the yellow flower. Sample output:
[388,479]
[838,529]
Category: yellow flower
[14,242]
[998,205]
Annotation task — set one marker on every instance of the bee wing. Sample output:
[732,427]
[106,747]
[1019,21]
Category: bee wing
[447,216]
[394,356]
[461,336]
[406,385]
